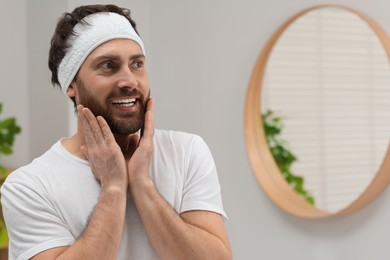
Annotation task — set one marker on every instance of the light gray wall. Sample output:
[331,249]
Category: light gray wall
[26,91]
[47,109]
[200,56]
[14,76]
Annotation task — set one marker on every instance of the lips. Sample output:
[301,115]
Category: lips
[126,102]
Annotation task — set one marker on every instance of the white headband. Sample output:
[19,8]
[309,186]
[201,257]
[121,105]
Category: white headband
[99,28]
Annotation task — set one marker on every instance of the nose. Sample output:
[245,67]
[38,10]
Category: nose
[126,78]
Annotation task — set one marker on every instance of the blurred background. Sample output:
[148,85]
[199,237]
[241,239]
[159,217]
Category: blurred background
[200,56]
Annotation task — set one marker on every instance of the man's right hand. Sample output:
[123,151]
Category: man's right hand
[102,151]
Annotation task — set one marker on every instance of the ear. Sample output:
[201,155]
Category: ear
[71,90]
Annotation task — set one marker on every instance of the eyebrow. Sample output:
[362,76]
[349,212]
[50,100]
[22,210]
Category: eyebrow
[116,57]
[137,56]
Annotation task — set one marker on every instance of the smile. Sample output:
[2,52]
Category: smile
[125,102]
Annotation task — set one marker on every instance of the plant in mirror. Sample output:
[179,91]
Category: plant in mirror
[283,155]
[326,72]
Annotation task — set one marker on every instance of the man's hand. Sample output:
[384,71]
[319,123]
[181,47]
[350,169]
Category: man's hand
[103,153]
[138,164]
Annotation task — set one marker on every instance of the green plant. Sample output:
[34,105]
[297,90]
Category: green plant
[8,129]
[282,154]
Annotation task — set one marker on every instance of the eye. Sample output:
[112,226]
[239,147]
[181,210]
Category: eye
[107,65]
[137,64]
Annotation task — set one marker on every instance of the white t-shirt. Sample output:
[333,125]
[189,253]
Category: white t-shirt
[47,203]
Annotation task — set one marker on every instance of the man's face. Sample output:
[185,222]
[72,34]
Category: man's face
[113,83]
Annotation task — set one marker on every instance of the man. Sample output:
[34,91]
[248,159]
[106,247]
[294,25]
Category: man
[118,188]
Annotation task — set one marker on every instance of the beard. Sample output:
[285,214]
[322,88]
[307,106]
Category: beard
[129,122]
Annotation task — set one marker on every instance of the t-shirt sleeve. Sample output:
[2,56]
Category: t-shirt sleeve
[32,223]
[202,190]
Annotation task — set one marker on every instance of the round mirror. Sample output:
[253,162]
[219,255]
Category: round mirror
[317,117]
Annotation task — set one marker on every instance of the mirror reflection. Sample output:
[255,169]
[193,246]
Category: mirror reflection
[327,79]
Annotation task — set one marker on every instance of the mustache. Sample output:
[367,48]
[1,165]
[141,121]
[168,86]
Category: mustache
[127,92]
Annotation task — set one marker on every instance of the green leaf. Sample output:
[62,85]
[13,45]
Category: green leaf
[282,154]
[3,234]
[3,171]
[8,129]
[311,200]
[7,123]
[5,149]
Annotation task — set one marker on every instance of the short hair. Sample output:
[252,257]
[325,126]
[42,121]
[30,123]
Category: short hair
[64,29]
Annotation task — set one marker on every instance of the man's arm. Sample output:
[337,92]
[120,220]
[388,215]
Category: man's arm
[191,235]
[102,236]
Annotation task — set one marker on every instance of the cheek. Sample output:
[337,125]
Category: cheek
[93,90]
[145,84]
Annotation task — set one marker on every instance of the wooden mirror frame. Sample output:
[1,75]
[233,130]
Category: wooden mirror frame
[263,165]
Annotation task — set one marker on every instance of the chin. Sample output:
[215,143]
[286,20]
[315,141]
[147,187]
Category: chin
[125,130]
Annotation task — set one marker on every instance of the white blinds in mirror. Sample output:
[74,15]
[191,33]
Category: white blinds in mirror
[328,77]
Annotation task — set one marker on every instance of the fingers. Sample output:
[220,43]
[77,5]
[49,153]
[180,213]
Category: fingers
[106,131]
[90,125]
[149,120]
[138,164]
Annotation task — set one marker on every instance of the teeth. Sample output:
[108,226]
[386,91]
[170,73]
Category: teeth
[129,101]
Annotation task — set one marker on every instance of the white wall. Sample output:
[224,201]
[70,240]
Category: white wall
[201,55]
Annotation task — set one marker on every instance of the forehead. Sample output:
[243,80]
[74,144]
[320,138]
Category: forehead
[118,47]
